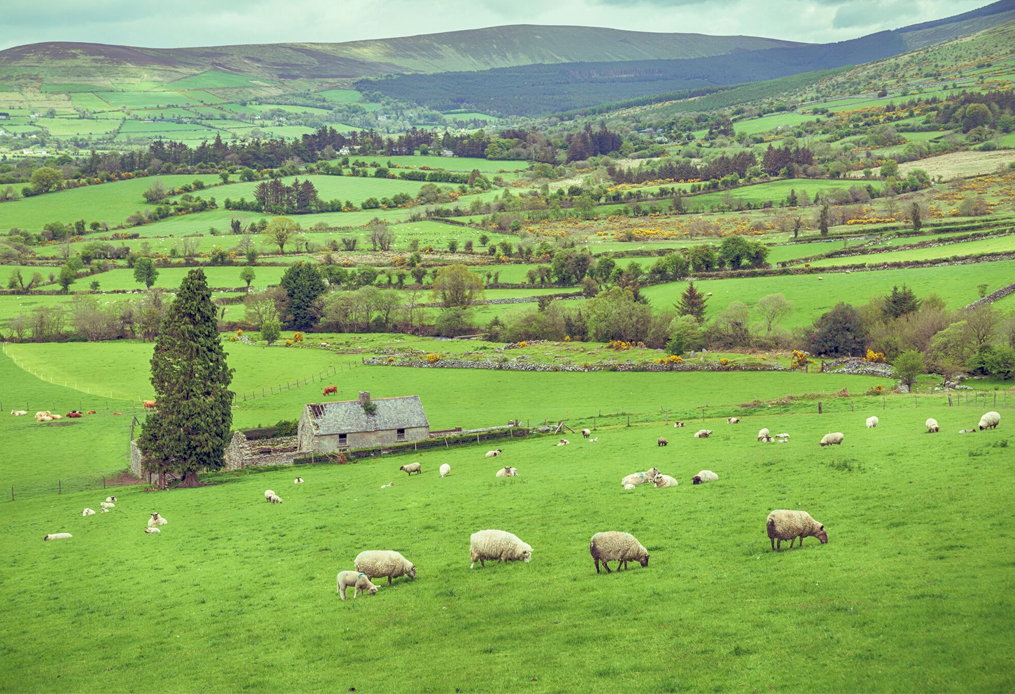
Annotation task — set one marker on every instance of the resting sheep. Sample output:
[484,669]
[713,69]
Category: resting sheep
[872,422]
[357,579]
[782,438]
[156,520]
[152,531]
[88,512]
[618,547]
[595,440]
[763,434]
[389,484]
[507,472]
[445,470]
[411,468]
[493,454]
[662,442]
[788,525]
[767,439]
[298,480]
[932,427]
[705,476]
[57,536]
[499,545]
[379,562]
[110,499]
[832,439]
[733,420]
[636,478]
[702,433]
[564,442]
[586,433]
[678,425]
[989,421]
[665,481]
[268,494]
[19,413]
[106,506]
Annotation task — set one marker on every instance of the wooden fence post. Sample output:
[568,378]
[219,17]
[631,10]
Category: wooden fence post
[819,408]
[59,486]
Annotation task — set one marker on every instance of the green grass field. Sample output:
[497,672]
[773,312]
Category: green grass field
[490,166]
[998,244]
[774,191]
[131,100]
[213,79]
[341,96]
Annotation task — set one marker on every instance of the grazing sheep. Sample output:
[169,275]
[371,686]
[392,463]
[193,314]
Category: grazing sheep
[377,563]
[88,512]
[110,499]
[411,468]
[330,390]
[662,442]
[57,536]
[507,472]
[275,499]
[564,442]
[268,494]
[733,420]
[354,578]
[665,481]
[832,439]
[493,454]
[150,404]
[705,476]
[636,478]
[932,427]
[19,413]
[152,531]
[789,525]
[618,547]
[764,434]
[702,433]
[106,506]
[298,480]
[872,422]
[782,438]
[679,425]
[445,470]
[989,421]
[586,433]
[156,520]
[499,545]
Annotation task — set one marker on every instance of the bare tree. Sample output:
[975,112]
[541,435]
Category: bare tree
[381,237]
[773,308]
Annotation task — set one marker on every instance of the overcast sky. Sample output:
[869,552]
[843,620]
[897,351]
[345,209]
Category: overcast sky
[172,23]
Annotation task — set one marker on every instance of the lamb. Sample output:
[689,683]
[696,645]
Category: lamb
[782,438]
[268,494]
[275,499]
[110,499]
[156,520]
[152,531]
[389,484]
[636,478]
[149,404]
[499,545]
[361,582]
[662,442]
[767,439]
[19,413]
[618,547]
[330,390]
[411,468]
[932,427]
[832,439]
[763,434]
[989,421]
[595,440]
[705,476]
[493,454]
[628,486]
[445,470]
[88,512]
[298,480]
[507,472]
[702,433]
[665,481]
[679,425]
[105,507]
[564,442]
[376,563]
[57,536]
[733,420]
[789,525]
[586,433]
[872,422]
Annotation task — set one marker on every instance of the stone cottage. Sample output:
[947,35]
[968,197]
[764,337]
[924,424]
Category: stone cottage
[328,427]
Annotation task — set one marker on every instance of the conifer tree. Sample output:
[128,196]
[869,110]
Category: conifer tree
[692,303]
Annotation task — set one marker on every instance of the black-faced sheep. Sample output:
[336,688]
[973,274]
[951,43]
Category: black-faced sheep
[268,494]
[832,439]
[989,421]
[493,454]
[276,499]
[662,442]
[679,425]
[360,581]
[785,525]
[379,562]
[702,433]
[298,480]
[497,544]
[616,546]
[932,426]
[507,471]
[872,422]
[58,536]
[705,476]
[586,433]
[764,434]
[733,420]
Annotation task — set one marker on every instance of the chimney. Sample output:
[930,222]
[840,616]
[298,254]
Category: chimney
[364,396]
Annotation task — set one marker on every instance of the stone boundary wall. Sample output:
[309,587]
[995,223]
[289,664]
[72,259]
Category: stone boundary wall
[240,453]
[993,296]
[858,367]
[526,366]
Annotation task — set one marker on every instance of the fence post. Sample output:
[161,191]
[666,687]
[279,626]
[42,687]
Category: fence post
[103,481]
[628,420]
[819,408]
[593,424]
[59,486]
[949,400]
[915,403]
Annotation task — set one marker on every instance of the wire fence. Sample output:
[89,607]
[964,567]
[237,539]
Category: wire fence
[318,377]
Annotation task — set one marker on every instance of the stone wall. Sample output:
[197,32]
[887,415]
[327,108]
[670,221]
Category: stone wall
[993,296]
[240,453]
[528,366]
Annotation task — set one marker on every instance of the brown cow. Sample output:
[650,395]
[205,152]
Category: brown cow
[149,404]
[329,390]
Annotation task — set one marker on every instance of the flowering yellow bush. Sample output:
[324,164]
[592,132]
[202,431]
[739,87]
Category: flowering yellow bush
[875,357]
[876,390]
[567,338]
[297,337]
[288,342]
[523,343]
[619,345]
[391,359]
[724,361]
[674,359]
[433,358]
[239,331]
[234,339]
[800,359]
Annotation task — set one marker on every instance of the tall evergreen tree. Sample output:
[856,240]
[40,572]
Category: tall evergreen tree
[692,303]
[303,284]
[190,429]
[823,220]
[917,222]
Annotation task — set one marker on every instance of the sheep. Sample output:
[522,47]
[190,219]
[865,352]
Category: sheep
[445,470]
[57,536]
[636,478]
[586,433]
[788,525]
[411,468]
[665,481]
[932,426]
[152,531]
[702,433]
[377,563]
[507,472]
[110,499]
[493,454]
[330,390]
[967,431]
[360,581]
[19,413]
[106,506]
[767,439]
[705,476]
[298,480]
[618,547]
[763,434]
[389,484]
[733,420]
[872,422]
[157,520]
[628,486]
[42,415]
[595,440]
[782,438]
[832,439]
[662,442]
[150,404]
[989,421]
[499,545]
[268,494]
[679,425]
[564,442]
[88,512]
[275,499]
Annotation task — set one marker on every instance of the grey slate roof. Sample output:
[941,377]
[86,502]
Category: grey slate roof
[348,417]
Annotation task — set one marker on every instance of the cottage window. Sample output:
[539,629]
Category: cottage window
[400,435]
[343,440]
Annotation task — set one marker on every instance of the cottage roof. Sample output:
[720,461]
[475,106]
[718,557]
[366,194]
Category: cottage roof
[348,416]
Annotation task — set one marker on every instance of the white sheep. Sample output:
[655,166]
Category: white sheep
[782,438]
[595,440]
[932,426]
[156,520]
[445,470]
[764,434]
[378,562]
[636,478]
[665,481]
[110,499]
[679,425]
[618,547]
[832,439]
[360,581]
[57,536]
[564,442]
[733,420]
[88,512]
[702,433]
[705,476]
[19,413]
[268,493]
[152,531]
[411,468]
[493,454]
[989,421]
[507,472]
[872,422]
[586,433]
[275,499]
[499,545]
[298,480]
[628,486]
[106,506]
[389,484]
[767,439]
[785,525]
